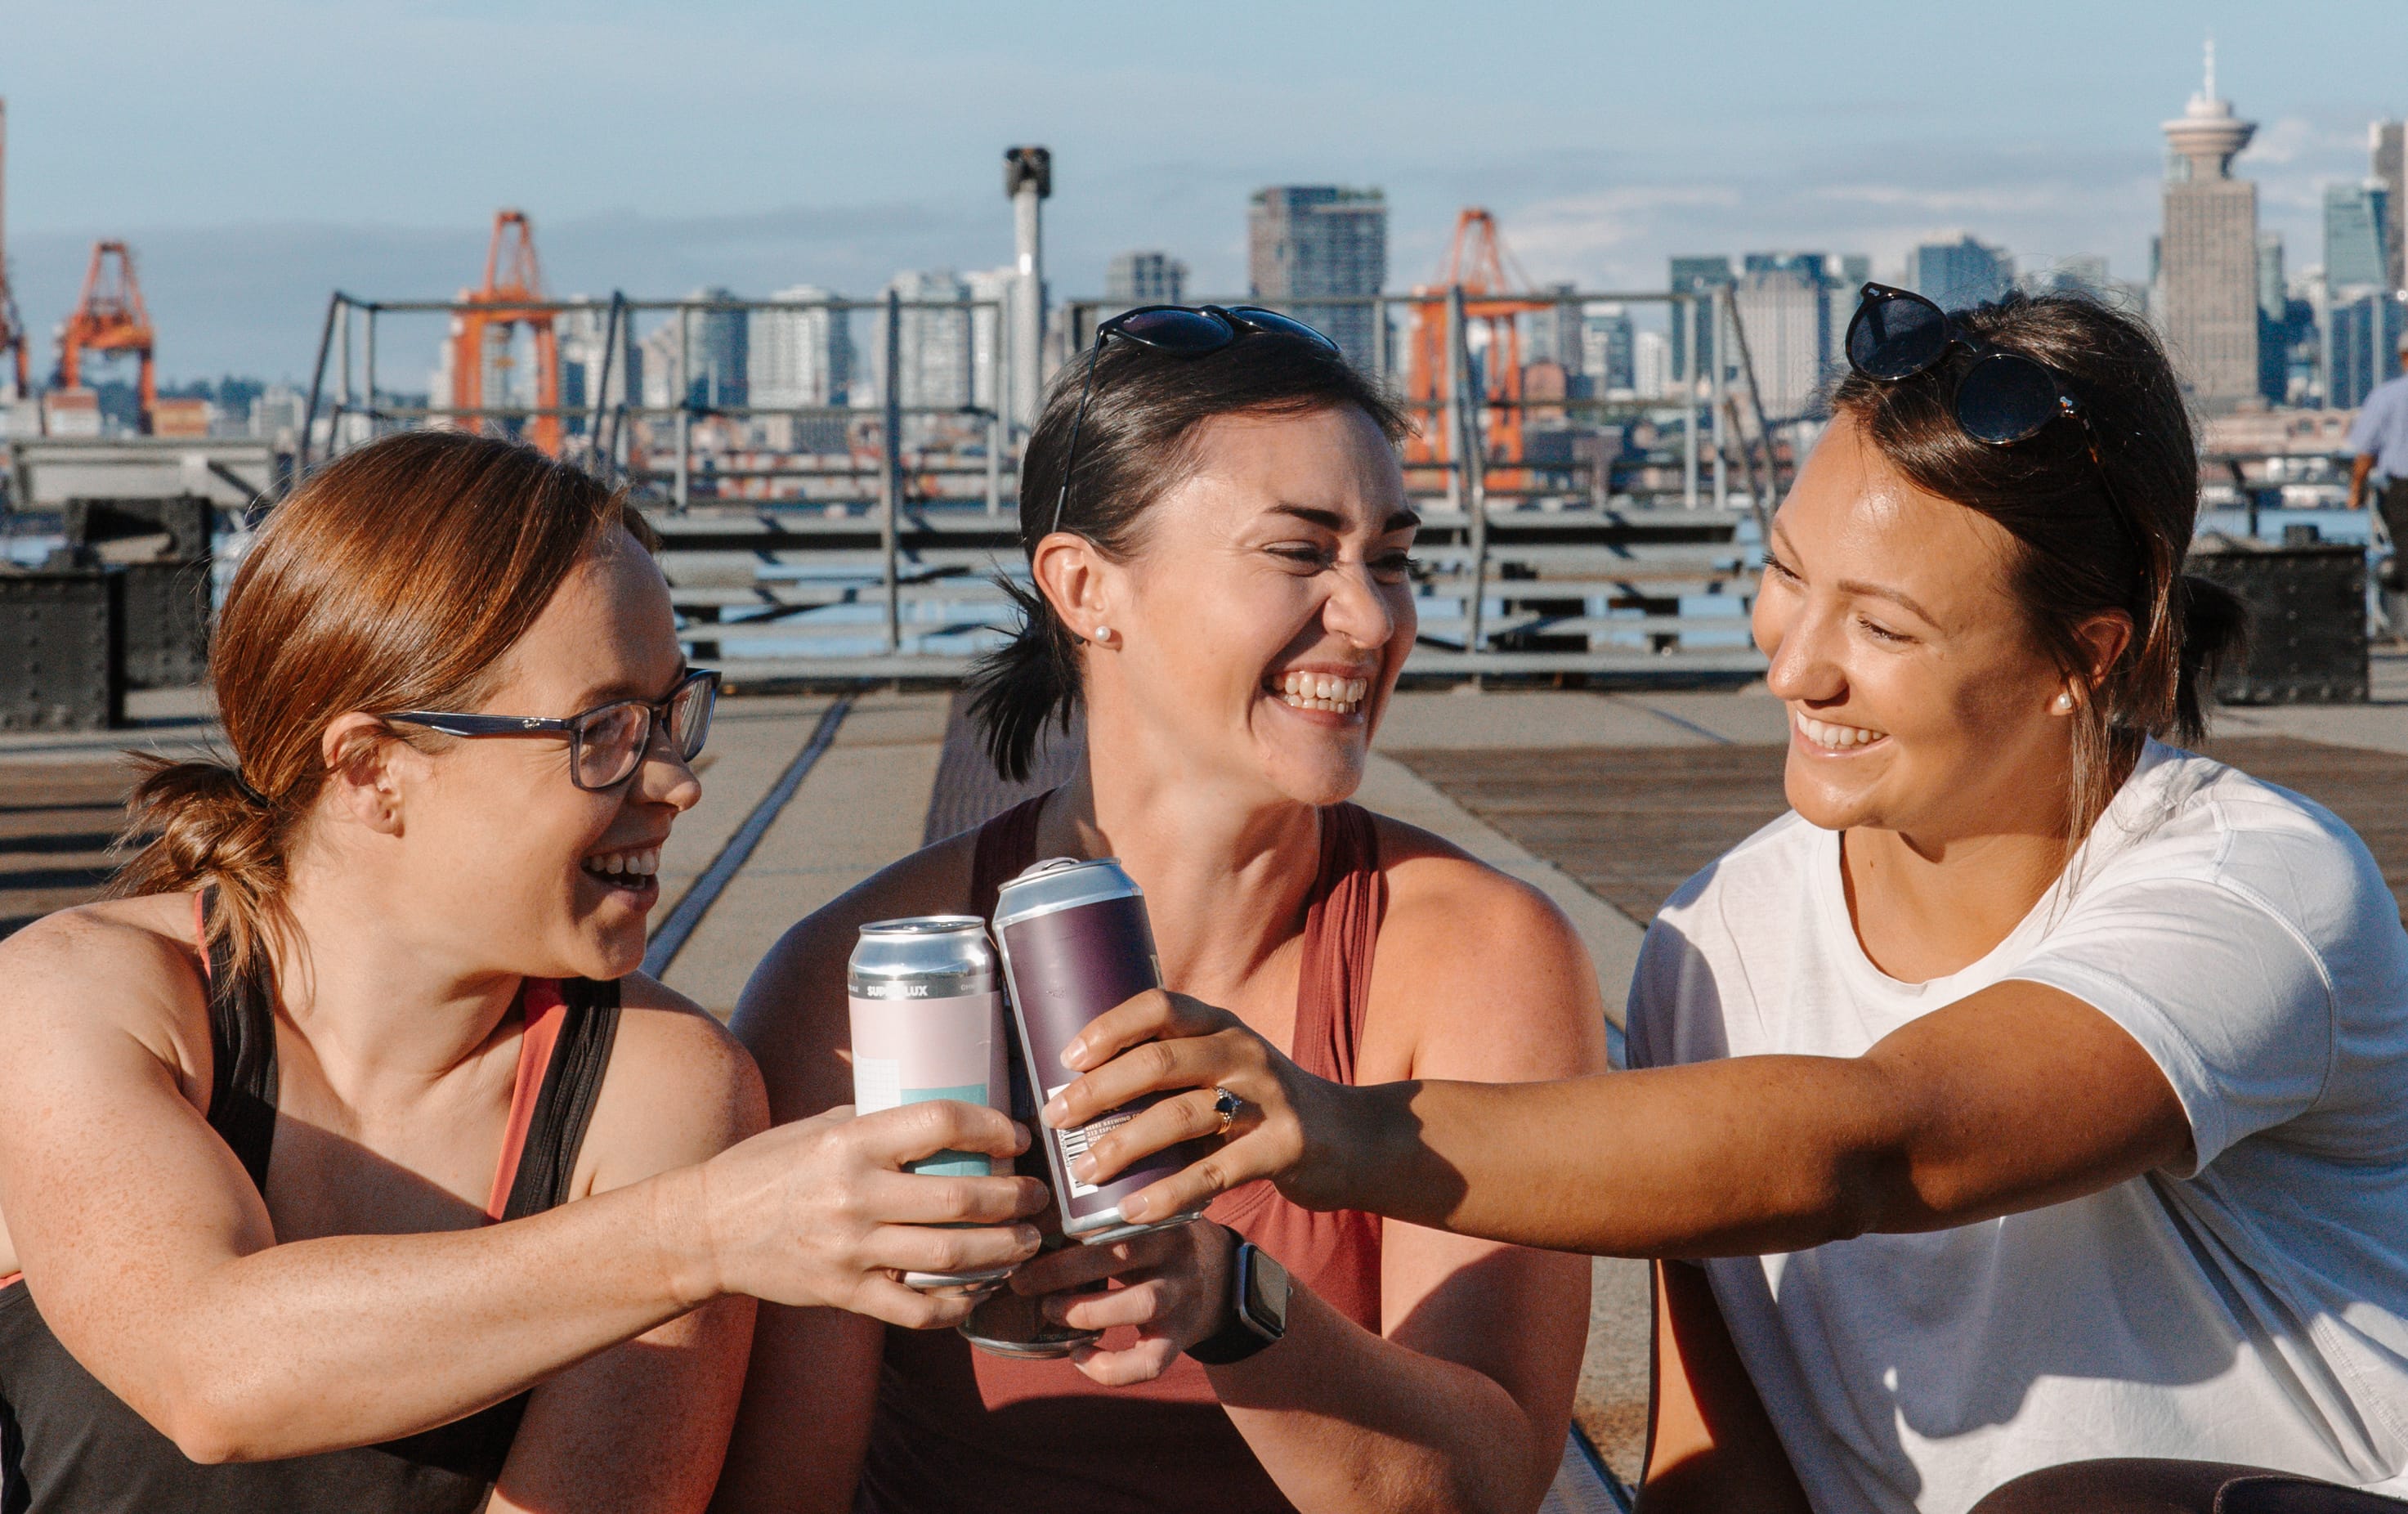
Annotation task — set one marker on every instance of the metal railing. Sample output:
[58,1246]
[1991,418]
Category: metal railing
[870,549]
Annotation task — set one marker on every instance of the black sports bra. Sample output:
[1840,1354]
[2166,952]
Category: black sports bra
[70,1445]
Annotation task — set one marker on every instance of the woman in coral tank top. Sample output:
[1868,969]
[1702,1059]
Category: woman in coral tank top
[1221,571]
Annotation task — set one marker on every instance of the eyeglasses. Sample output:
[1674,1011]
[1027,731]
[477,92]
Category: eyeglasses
[608,742]
[1181,331]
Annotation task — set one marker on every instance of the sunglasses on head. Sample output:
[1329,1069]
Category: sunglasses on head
[1181,331]
[2003,398]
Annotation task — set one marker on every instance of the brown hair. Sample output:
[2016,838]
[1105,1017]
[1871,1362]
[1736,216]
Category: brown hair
[1136,441]
[2089,537]
[395,579]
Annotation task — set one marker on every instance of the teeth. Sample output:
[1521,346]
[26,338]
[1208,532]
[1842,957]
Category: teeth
[1837,737]
[1302,690]
[639,862]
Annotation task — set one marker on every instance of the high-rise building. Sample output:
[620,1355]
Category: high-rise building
[1961,274]
[1305,241]
[1554,335]
[1783,311]
[935,346]
[2209,252]
[2387,155]
[800,357]
[995,288]
[2361,345]
[2356,217]
[1606,352]
[717,346]
[1702,276]
[2272,291]
[1650,365]
[1145,276]
[658,363]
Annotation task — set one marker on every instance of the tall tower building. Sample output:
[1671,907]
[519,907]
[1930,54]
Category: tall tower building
[2356,217]
[2388,147]
[935,346]
[801,356]
[2209,252]
[1695,275]
[1961,274]
[1308,240]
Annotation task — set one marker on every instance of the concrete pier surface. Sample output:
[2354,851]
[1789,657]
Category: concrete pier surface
[1604,801]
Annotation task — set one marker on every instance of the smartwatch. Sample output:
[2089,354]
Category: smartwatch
[1259,1289]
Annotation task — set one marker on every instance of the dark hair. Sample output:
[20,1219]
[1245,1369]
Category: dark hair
[1136,442]
[394,578]
[2080,550]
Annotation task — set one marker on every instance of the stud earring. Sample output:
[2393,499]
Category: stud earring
[1103,634]
[2063,703]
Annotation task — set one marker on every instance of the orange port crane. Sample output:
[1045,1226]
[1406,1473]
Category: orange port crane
[109,320]
[1477,260]
[511,296]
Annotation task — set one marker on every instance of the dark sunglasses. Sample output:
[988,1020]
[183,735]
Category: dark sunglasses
[608,742]
[2003,398]
[1181,331]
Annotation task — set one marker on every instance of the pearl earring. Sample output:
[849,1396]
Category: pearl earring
[1103,633]
[2063,705]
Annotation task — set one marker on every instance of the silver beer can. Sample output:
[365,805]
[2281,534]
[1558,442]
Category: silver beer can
[927,1023]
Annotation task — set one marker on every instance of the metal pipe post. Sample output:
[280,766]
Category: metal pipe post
[684,406]
[1379,338]
[1475,470]
[1454,398]
[1721,386]
[1688,317]
[1028,179]
[368,342]
[890,476]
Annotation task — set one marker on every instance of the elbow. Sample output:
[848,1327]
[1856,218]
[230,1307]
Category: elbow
[211,1428]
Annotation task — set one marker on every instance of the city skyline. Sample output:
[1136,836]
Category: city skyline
[2053,151]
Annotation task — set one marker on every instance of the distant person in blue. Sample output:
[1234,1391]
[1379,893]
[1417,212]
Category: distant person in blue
[2379,441]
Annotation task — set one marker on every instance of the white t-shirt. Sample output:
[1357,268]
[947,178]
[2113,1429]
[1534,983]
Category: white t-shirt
[2252,1308]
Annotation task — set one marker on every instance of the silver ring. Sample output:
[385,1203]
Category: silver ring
[1227,1105]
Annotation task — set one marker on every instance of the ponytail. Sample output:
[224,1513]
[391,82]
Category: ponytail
[1020,685]
[2215,626]
[212,829]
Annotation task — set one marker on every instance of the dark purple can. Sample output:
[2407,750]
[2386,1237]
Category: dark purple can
[1075,942]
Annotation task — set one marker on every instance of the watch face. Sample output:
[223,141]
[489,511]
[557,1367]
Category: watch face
[1266,1289]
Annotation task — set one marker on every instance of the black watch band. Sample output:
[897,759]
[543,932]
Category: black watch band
[1258,1290]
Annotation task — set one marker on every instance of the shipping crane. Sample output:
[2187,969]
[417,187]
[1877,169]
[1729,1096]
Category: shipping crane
[12,327]
[1476,259]
[109,319]
[510,296]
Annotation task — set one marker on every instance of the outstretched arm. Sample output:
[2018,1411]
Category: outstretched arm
[2018,1096]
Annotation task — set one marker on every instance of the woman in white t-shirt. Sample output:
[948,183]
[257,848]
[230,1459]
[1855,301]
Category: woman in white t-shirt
[2036,1094]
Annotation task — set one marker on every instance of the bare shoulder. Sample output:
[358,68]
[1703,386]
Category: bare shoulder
[126,965]
[792,1016]
[1490,979]
[679,1088]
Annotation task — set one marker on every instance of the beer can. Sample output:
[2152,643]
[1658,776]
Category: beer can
[1076,941]
[927,1023]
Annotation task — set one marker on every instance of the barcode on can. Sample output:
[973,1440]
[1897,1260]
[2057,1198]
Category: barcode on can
[1075,1143]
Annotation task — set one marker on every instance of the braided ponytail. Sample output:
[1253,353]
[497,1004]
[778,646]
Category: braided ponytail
[212,830]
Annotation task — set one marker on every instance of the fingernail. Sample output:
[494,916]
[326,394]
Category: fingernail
[1025,1238]
[1083,1168]
[1074,1056]
[1055,1110]
[1134,1209]
[1019,1136]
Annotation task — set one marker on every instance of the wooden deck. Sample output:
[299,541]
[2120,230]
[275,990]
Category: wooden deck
[57,820]
[1632,823]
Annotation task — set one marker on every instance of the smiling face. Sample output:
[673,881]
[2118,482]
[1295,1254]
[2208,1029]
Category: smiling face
[1259,629]
[1920,701]
[518,867]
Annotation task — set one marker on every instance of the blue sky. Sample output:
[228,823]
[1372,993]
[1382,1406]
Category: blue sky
[258,152]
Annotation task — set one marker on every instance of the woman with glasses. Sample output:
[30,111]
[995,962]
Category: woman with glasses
[347,1163]
[2023,1108]
[1216,525]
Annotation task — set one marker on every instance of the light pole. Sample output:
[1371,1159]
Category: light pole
[1028,179]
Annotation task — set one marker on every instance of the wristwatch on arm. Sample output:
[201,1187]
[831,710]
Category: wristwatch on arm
[1259,1289]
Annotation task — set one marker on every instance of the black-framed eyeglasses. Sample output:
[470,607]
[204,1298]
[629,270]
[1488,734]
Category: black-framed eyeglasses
[608,742]
[1181,331]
